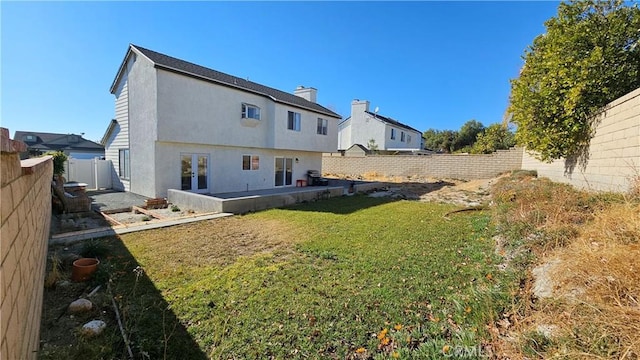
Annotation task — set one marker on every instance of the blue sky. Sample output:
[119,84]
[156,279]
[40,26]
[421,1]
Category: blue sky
[426,64]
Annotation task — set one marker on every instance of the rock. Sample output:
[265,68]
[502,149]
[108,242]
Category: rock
[68,259]
[63,283]
[93,328]
[80,305]
[546,330]
[543,284]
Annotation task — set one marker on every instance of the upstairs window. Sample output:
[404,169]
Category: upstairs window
[322,126]
[250,112]
[402,138]
[393,134]
[293,122]
[408,139]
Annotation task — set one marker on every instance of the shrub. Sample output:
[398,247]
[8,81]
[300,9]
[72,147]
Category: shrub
[59,158]
[93,248]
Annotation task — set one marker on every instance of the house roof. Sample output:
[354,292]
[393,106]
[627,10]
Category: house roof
[361,147]
[392,121]
[169,63]
[54,141]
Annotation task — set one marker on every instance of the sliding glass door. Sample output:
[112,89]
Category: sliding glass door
[283,171]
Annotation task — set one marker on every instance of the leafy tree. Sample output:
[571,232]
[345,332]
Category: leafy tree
[495,137]
[371,145]
[467,135]
[589,56]
[439,140]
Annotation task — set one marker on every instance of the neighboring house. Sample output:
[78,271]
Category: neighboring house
[74,146]
[179,125]
[387,134]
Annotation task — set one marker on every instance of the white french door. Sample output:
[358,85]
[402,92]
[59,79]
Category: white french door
[194,174]
[283,171]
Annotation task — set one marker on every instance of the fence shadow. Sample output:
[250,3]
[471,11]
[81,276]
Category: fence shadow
[153,329]
[581,157]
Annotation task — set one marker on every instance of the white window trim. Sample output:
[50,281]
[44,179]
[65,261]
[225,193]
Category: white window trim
[245,111]
[251,162]
[124,164]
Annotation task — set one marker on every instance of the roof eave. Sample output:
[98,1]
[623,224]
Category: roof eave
[107,133]
[114,84]
[397,123]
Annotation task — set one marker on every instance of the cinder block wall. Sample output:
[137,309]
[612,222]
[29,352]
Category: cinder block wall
[26,215]
[462,166]
[614,151]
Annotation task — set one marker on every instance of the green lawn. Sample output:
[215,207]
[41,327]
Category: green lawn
[352,277]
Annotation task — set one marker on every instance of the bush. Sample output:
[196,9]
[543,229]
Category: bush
[93,248]
[59,158]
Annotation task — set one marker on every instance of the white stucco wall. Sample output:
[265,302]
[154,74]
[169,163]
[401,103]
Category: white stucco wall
[168,114]
[225,166]
[344,135]
[196,111]
[362,127]
[307,139]
[143,127]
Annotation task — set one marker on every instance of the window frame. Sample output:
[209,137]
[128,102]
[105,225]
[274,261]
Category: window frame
[393,134]
[253,162]
[323,126]
[124,164]
[294,123]
[245,111]
[402,136]
[408,139]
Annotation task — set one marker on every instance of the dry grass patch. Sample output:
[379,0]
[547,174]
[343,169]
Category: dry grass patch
[217,242]
[594,309]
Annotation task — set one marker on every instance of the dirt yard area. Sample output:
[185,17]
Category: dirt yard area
[451,191]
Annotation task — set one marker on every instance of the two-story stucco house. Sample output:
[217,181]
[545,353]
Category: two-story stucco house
[183,126]
[387,134]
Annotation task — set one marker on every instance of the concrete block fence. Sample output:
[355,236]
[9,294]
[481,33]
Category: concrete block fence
[613,163]
[26,215]
[453,166]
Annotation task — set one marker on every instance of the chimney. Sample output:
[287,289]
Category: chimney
[359,106]
[310,94]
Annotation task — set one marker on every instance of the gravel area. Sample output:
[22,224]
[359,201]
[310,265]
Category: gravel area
[112,200]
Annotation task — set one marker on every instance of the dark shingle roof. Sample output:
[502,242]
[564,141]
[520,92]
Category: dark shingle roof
[392,122]
[55,141]
[191,69]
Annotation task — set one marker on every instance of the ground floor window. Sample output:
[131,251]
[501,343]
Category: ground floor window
[283,171]
[250,162]
[123,161]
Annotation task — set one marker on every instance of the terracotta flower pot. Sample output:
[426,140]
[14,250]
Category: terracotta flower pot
[83,268]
